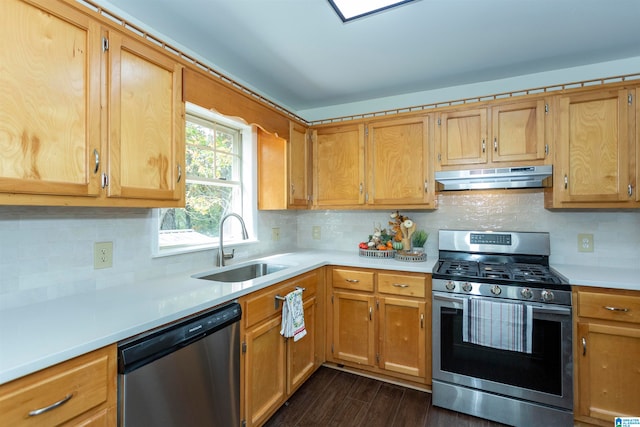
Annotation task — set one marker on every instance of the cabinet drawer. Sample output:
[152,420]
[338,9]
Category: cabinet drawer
[76,386]
[609,306]
[262,305]
[402,284]
[353,279]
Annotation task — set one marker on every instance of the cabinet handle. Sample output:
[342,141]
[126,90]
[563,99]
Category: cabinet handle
[370,313]
[293,189]
[104,180]
[52,406]
[495,144]
[179,172]
[361,188]
[484,146]
[630,190]
[426,186]
[96,157]
[421,320]
[400,285]
[584,346]
[352,280]
[566,182]
[608,307]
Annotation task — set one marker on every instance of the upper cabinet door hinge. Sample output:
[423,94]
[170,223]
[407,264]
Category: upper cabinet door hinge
[105,44]
[439,121]
[630,99]
[546,108]
[439,157]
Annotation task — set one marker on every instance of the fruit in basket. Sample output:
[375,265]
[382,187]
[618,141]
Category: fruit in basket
[397,246]
[363,245]
[382,247]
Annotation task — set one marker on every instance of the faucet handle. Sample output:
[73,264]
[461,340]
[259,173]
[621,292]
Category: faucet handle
[229,256]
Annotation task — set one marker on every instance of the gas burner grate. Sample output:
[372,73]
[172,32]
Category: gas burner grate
[459,268]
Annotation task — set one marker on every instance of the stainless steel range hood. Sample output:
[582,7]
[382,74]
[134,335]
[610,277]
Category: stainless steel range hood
[482,179]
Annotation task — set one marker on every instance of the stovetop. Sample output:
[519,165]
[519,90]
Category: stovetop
[515,272]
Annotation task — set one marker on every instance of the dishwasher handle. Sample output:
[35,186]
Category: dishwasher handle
[144,349]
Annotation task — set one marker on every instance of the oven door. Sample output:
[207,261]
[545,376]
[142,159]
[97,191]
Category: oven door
[544,376]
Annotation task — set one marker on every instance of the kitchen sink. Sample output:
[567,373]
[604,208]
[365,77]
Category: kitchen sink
[243,272]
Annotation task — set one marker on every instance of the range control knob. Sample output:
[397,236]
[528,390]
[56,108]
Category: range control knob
[495,289]
[547,296]
[526,293]
[450,285]
[466,286]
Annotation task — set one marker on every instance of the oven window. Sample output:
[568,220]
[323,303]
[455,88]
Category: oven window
[541,370]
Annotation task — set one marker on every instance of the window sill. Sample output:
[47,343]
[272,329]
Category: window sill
[179,250]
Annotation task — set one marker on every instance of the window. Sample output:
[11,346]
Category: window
[214,184]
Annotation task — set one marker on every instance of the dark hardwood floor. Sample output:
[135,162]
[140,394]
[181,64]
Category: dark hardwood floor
[335,398]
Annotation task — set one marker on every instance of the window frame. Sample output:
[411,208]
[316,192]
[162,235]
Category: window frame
[248,186]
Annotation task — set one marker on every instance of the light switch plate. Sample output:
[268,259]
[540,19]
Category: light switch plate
[315,232]
[102,255]
[585,242]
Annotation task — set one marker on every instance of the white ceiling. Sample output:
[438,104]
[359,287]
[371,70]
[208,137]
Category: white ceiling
[299,54]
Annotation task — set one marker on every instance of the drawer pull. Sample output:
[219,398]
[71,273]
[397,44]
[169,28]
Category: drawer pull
[52,406]
[421,320]
[370,313]
[400,285]
[608,307]
[352,280]
[281,298]
[584,346]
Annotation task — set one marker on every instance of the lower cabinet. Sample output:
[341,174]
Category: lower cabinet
[274,366]
[607,355]
[78,392]
[378,321]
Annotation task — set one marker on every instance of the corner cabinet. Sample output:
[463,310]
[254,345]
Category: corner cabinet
[50,109]
[272,161]
[511,133]
[378,164]
[299,156]
[146,122]
[607,365]
[379,322]
[78,392]
[273,367]
[594,133]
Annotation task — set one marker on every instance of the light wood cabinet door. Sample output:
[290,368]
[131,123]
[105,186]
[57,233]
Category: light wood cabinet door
[608,371]
[402,332]
[265,371]
[301,355]
[272,170]
[354,328]
[517,132]
[592,139]
[338,166]
[146,122]
[50,108]
[463,137]
[299,156]
[398,163]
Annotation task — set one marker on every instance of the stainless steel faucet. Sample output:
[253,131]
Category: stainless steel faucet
[221,255]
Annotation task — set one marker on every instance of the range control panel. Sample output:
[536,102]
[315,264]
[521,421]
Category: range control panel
[490,239]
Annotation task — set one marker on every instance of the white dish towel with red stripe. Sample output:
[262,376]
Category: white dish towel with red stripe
[502,325]
[293,316]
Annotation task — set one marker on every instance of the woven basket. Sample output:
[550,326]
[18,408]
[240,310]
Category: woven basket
[369,253]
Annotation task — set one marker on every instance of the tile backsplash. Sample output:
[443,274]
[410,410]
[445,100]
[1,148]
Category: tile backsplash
[47,252]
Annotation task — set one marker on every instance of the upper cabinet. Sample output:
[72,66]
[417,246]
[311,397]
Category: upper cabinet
[146,122]
[398,162]
[88,116]
[299,171]
[50,109]
[596,151]
[385,163]
[272,161]
[338,166]
[510,133]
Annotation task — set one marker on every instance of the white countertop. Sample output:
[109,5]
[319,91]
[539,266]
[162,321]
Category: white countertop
[40,335]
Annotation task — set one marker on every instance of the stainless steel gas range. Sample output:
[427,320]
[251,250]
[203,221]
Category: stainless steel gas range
[502,329]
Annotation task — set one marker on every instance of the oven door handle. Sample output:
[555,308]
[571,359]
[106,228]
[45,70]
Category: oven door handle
[552,309]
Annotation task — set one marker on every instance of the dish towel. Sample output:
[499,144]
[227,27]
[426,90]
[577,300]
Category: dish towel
[505,326]
[293,316]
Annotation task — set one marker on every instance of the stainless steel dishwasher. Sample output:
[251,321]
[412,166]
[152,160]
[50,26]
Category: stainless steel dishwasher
[186,374]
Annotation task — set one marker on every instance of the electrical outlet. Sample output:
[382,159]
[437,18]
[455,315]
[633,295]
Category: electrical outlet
[102,255]
[275,234]
[585,242]
[315,232]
